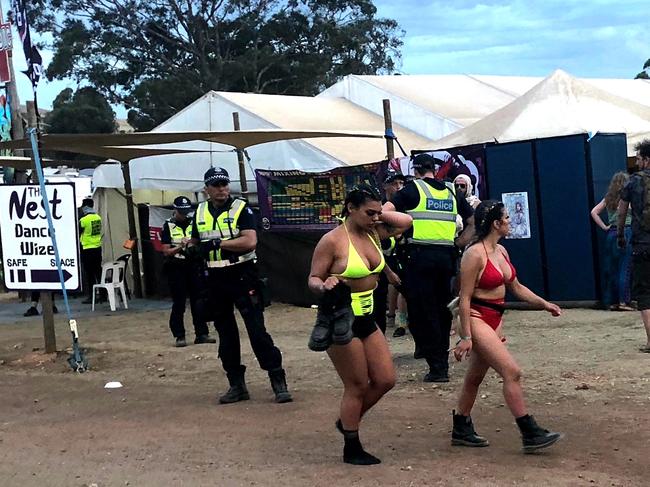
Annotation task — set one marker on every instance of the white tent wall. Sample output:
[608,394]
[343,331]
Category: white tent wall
[404,112]
[212,112]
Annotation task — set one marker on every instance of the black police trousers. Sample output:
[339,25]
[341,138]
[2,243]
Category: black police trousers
[91,265]
[427,289]
[184,281]
[238,285]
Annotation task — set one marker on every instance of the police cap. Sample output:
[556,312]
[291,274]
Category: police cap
[182,205]
[216,175]
[424,162]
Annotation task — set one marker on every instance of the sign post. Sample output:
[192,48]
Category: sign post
[29,256]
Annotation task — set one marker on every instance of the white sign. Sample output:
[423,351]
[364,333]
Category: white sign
[517,206]
[27,248]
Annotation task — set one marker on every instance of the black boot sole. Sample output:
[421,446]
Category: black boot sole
[459,442]
[546,444]
[241,397]
[283,398]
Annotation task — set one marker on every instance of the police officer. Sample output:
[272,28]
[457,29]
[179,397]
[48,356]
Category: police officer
[183,273]
[430,254]
[224,229]
[90,228]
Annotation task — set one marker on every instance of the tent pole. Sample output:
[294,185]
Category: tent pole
[240,158]
[133,235]
[388,125]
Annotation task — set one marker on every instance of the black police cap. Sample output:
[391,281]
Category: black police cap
[216,175]
[182,204]
[424,162]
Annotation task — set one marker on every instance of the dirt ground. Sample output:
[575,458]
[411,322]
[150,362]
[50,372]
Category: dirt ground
[583,376]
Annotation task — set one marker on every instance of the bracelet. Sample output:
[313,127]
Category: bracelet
[467,338]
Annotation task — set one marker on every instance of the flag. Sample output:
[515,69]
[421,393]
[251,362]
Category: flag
[32,56]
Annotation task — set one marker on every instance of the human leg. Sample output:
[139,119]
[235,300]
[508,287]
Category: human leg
[641,290]
[178,290]
[494,352]
[611,268]
[193,282]
[380,298]
[381,371]
[351,365]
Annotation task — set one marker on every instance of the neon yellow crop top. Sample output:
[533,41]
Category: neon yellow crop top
[356,268]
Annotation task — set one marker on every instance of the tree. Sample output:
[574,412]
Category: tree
[85,112]
[157,56]
[644,74]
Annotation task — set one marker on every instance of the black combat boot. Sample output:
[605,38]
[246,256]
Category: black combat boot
[279,385]
[533,436]
[353,452]
[463,433]
[237,391]
[438,371]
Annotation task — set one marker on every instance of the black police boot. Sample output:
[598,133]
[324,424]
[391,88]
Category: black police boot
[31,311]
[237,391]
[279,384]
[438,371]
[463,433]
[204,339]
[533,436]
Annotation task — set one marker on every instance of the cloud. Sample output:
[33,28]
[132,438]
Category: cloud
[601,38]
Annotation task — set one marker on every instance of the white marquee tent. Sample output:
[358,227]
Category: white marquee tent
[558,105]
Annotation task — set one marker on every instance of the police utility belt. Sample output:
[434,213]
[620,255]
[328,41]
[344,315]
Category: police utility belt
[233,261]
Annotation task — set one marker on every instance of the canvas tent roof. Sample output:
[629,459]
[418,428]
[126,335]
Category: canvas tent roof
[437,105]
[213,112]
[559,105]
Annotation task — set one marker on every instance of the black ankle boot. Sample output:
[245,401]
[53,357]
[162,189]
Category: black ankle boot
[237,391]
[353,452]
[279,385]
[463,433]
[533,436]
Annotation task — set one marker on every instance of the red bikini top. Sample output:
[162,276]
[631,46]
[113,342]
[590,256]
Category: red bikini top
[492,277]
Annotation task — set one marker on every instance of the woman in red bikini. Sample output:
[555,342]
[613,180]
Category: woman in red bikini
[485,274]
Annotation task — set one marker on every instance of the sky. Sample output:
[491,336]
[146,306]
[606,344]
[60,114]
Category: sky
[595,39]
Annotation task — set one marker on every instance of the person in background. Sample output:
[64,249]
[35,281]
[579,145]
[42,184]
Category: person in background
[90,236]
[393,182]
[636,194]
[616,295]
[430,260]
[225,231]
[33,309]
[464,188]
[183,274]
[485,274]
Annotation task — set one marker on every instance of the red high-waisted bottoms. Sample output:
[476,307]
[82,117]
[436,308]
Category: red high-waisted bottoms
[488,310]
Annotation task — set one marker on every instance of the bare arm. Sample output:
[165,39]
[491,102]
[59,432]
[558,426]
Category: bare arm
[470,266]
[525,294]
[595,215]
[168,250]
[393,223]
[622,215]
[467,234]
[319,277]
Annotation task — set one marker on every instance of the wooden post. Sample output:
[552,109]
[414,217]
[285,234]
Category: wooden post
[388,125]
[49,334]
[133,234]
[240,158]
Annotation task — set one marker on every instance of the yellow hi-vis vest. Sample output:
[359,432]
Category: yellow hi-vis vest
[434,218]
[389,251]
[223,227]
[178,234]
[91,236]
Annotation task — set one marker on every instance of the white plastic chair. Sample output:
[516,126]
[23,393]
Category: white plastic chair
[112,280]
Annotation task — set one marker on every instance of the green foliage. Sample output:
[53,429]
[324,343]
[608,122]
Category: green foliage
[157,56]
[84,112]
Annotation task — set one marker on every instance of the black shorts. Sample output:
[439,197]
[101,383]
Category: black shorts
[363,326]
[641,278]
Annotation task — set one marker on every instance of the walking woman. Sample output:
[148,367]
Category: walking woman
[485,273]
[618,262]
[344,272]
